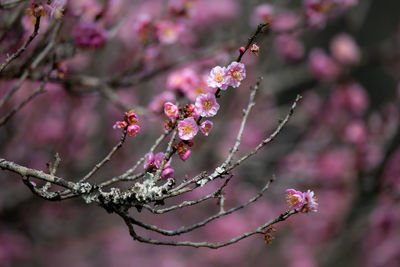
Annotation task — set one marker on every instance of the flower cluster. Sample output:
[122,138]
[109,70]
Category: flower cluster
[130,122]
[302,201]
[153,162]
[222,77]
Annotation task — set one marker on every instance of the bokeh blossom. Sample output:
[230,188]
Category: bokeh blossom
[89,35]
[344,49]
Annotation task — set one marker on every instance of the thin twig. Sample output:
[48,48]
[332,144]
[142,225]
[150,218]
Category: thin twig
[106,159]
[244,120]
[258,230]
[38,91]
[23,47]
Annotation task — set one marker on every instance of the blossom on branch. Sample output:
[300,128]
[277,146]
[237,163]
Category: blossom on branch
[187,129]
[206,105]
[171,110]
[302,201]
[236,72]
[218,78]
[206,126]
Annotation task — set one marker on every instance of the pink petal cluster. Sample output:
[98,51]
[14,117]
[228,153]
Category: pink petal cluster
[171,110]
[206,126]
[187,128]
[206,105]
[222,77]
[218,78]
[236,72]
[302,201]
[153,162]
[130,123]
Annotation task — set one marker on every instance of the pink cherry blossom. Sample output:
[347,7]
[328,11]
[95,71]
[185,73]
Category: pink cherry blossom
[206,105]
[236,72]
[120,124]
[133,129]
[218,78]
[206,126]
[187,129]
[171,110]
[295,199]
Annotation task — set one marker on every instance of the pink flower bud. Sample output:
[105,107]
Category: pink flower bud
[242,49]
[171,110]
[120,124]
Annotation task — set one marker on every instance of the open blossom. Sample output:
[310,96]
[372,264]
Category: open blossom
[206,105]
[302,201]
[235,72]
[295,199]
[171,110]
[206,126]
[133,129]
[187,129]
[131,117]
[218,78]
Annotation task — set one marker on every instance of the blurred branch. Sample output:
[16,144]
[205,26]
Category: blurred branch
[23,47]
[258,230]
